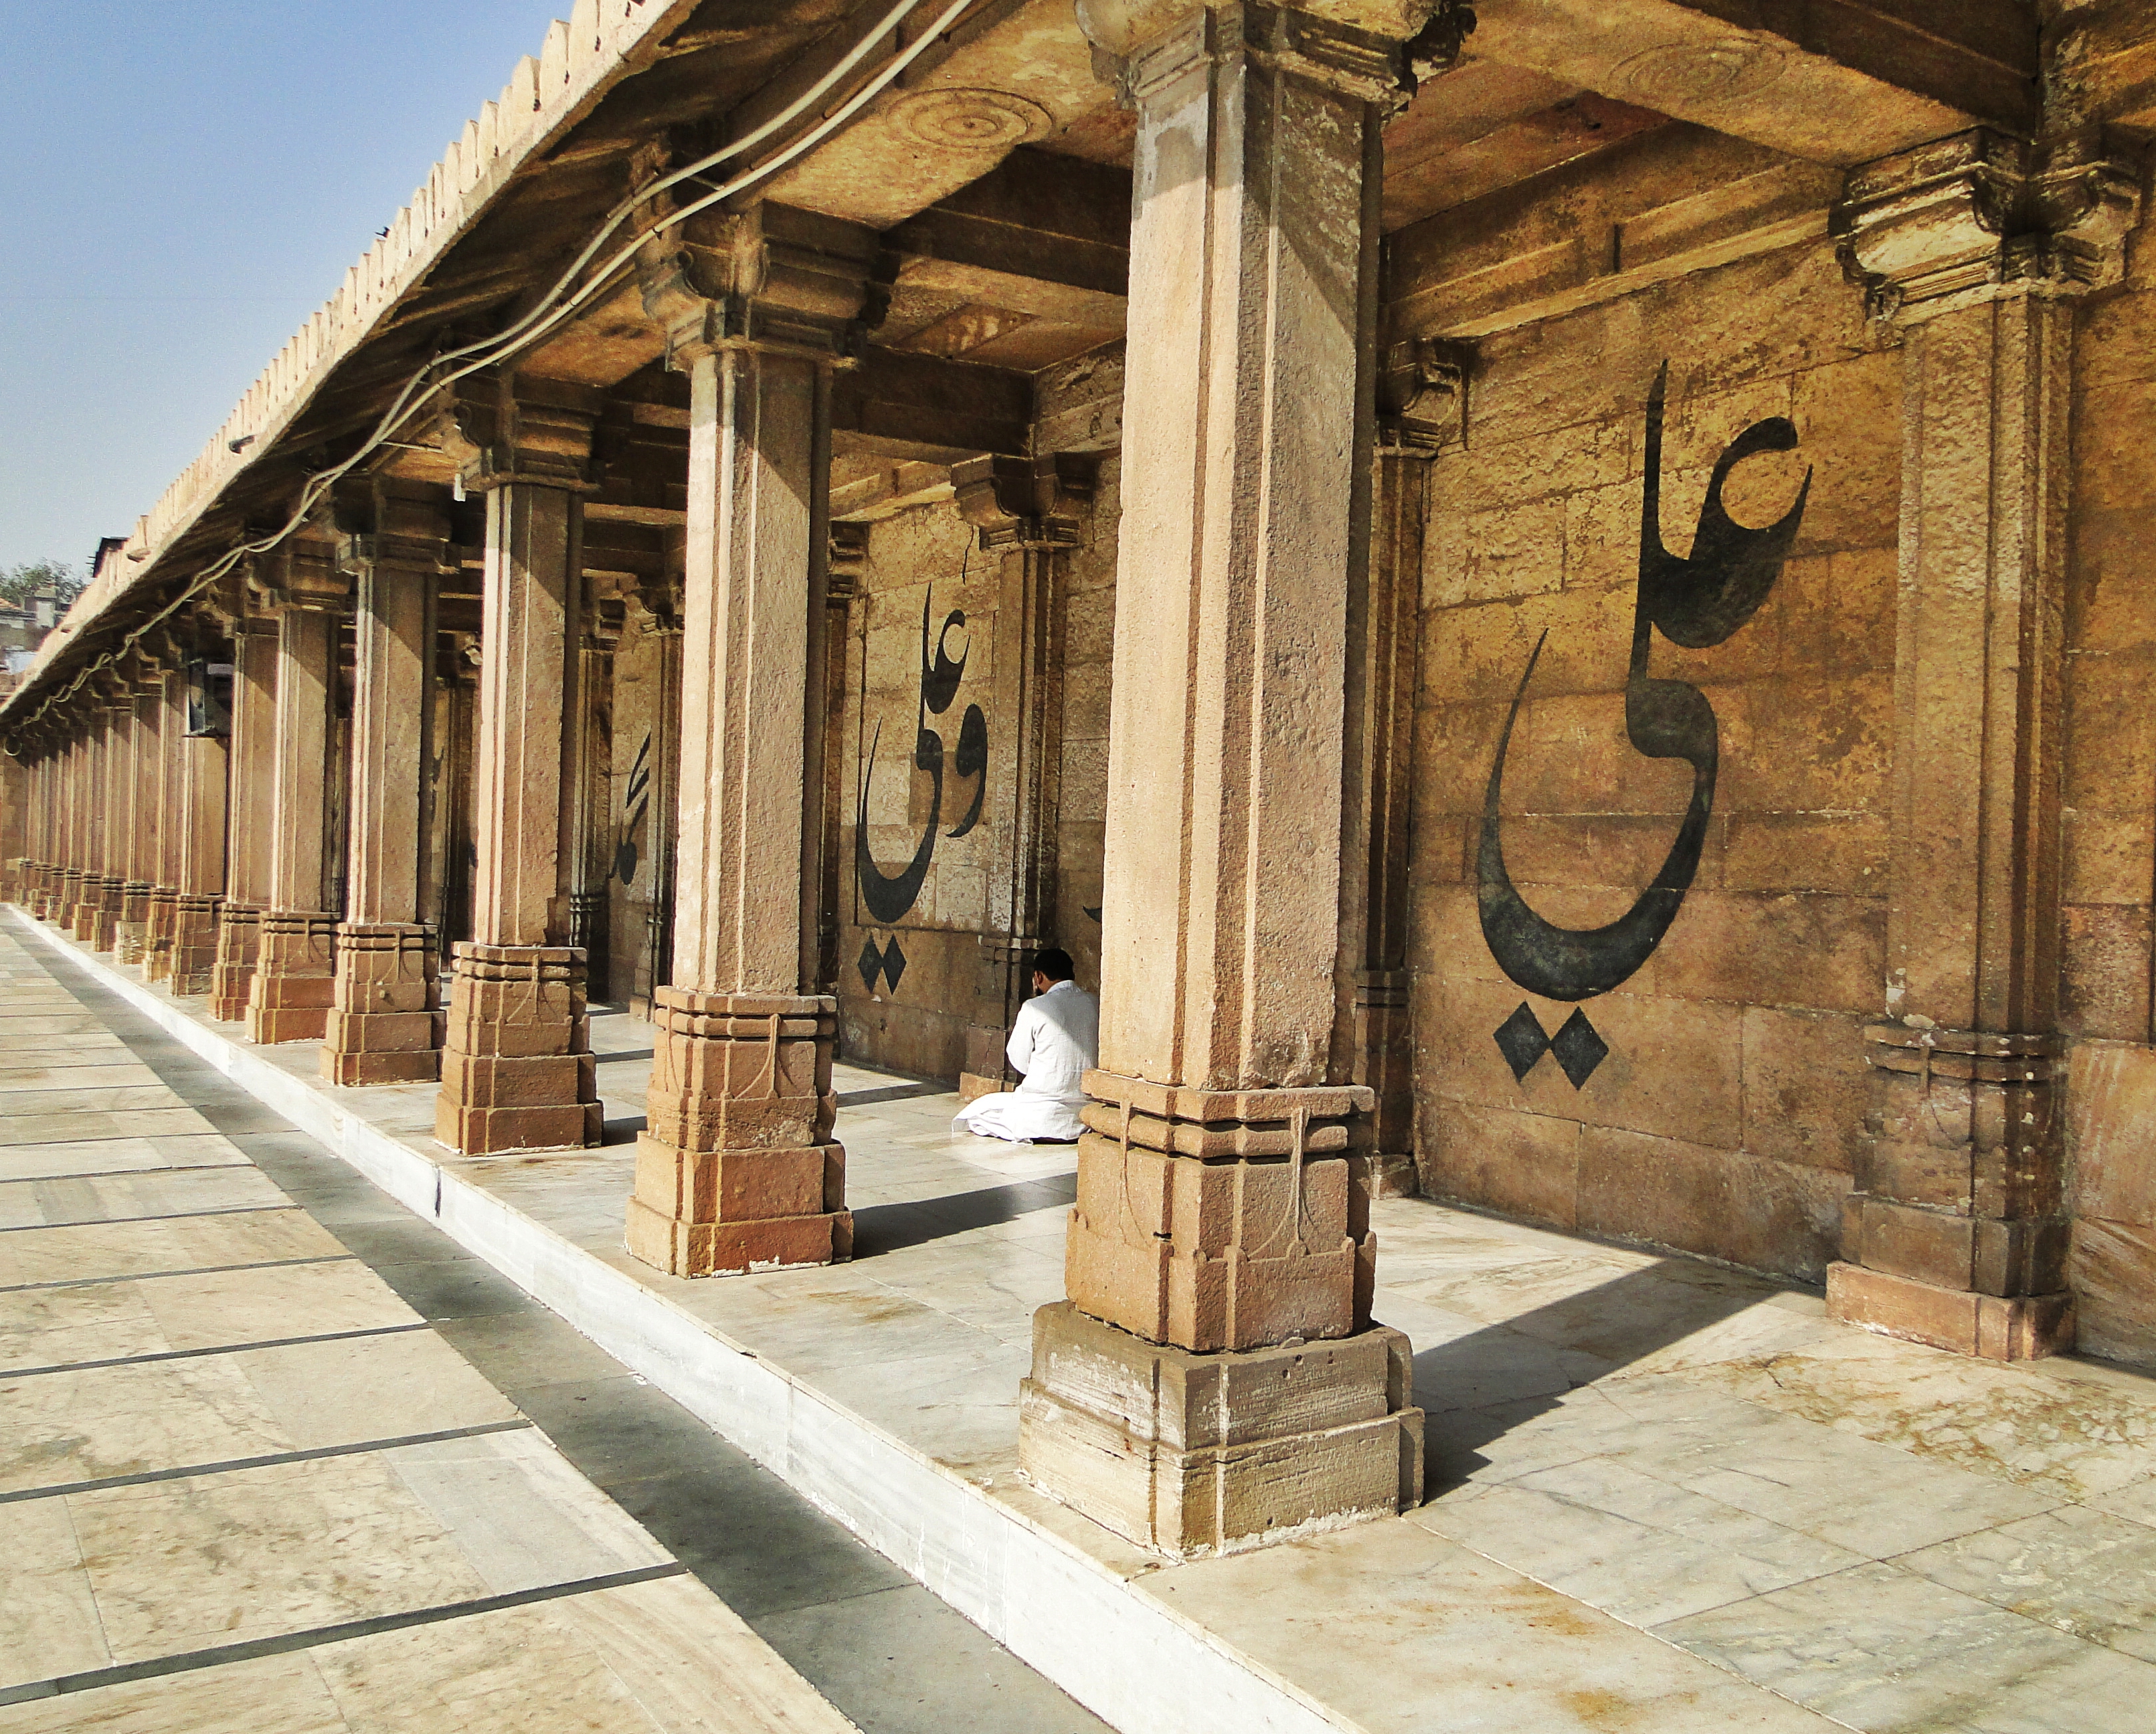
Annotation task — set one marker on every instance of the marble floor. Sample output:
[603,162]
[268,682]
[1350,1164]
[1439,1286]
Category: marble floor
[1664,1495]
[274,1457]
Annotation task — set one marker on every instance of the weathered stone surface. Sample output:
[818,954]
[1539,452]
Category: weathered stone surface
[1192,1455]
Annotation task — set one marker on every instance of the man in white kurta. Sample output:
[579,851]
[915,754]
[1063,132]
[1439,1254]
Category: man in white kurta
[1055,1040]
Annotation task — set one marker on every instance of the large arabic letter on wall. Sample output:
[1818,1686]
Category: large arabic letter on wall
[1696,601]
[889,896]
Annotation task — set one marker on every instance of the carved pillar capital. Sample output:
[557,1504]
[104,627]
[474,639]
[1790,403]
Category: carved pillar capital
[1144,46]
[1422,397]
[1966,218]
[510,429]
[772,278]
[1025,502]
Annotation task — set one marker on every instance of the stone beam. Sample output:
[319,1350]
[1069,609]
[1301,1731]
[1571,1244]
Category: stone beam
[902,405]
[1831,80]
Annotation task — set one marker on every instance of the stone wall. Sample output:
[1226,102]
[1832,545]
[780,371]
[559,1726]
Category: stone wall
[1726,1116]
[2110,801]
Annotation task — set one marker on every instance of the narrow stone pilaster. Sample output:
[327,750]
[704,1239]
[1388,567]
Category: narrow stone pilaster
[1420,394]
[591,743]
[1976,247]
[517,1066]
[738,1170]
[204,780]
[655,961]
[161,922]
[1028,512]
[289,997]
[1190,1395]
[251,780]
[384,1026]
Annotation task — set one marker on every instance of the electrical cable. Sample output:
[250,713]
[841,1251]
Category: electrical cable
[559,303]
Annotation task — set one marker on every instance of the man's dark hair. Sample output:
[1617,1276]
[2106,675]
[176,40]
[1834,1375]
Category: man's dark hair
[1054,962]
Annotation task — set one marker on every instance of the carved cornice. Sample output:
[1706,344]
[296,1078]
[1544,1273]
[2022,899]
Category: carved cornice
[1025,502]
[1979,214]
[1422,398]
[410,531]
[773,278]
[506,430]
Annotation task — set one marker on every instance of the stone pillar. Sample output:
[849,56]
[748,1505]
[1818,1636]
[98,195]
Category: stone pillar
[1975,248]
[251,778]
[205,758]
[654,963]
[288,999]
[739,1170]
[1027,511]
[96,756]
[516,1065]
[147,818]
[1215,1381]
[384,1026]
[163,904]
[1419,388]
[76,800]
[114,704]
[591,745]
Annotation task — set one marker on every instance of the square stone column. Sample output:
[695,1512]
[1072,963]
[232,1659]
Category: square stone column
[146,818]
[739,1170]
[384,1023]
[251,780]
[1027,511]
[516,1065]
[96,764]
[114,704]
[1976,247]
[204,781]
[289,997]
[162,905]
[1215,1382]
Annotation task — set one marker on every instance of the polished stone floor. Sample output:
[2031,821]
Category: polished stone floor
[276,1456]
[1664,1496]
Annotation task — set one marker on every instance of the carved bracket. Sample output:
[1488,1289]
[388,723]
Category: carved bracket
[1024,502]
[509,428]
[1422,397]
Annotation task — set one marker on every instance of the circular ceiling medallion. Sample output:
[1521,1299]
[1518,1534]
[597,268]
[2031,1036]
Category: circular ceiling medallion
[1694,72]
[970,119]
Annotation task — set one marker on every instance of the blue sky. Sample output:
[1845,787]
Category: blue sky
[181,185]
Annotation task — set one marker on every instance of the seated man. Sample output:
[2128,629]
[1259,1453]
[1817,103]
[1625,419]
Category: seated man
[1057,1037]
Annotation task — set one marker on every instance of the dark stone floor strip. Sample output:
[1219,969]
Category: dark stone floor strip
[229,1348]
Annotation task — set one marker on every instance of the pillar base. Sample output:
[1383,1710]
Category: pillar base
[738,1170]
[1191,1455]
[232,977]
[134,932]
[1222,1219]
[289,1000]
[516,1063]
[1991,1327]
[383,1025]
[162,908]
[195,941]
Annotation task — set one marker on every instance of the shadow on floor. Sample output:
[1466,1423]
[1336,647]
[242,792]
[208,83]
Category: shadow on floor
[1478,1387]
[889,1228]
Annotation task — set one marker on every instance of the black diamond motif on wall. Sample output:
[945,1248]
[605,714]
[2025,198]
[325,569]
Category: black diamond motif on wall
[1520,1040]
[1579,1047]
[871,965]
[893,966]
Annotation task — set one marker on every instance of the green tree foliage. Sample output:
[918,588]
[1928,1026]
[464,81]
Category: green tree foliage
[19,583]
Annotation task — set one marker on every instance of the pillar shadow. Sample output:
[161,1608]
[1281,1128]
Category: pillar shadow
[1476,1388]
[891,1227]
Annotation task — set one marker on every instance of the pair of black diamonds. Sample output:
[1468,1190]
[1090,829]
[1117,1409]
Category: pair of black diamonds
[888,962]
[1578,1045]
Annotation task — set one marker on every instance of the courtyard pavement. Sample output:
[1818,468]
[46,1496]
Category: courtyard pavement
[1664,1495]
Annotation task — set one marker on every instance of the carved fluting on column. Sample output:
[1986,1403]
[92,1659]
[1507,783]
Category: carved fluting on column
[289,1000]
[517,1066]
[1214,1382]
[384,1026]
[1977,247]
[1028,511]
[1421,388]
[738,1170]
[253,774]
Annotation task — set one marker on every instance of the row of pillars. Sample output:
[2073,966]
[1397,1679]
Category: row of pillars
[1215,1377]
